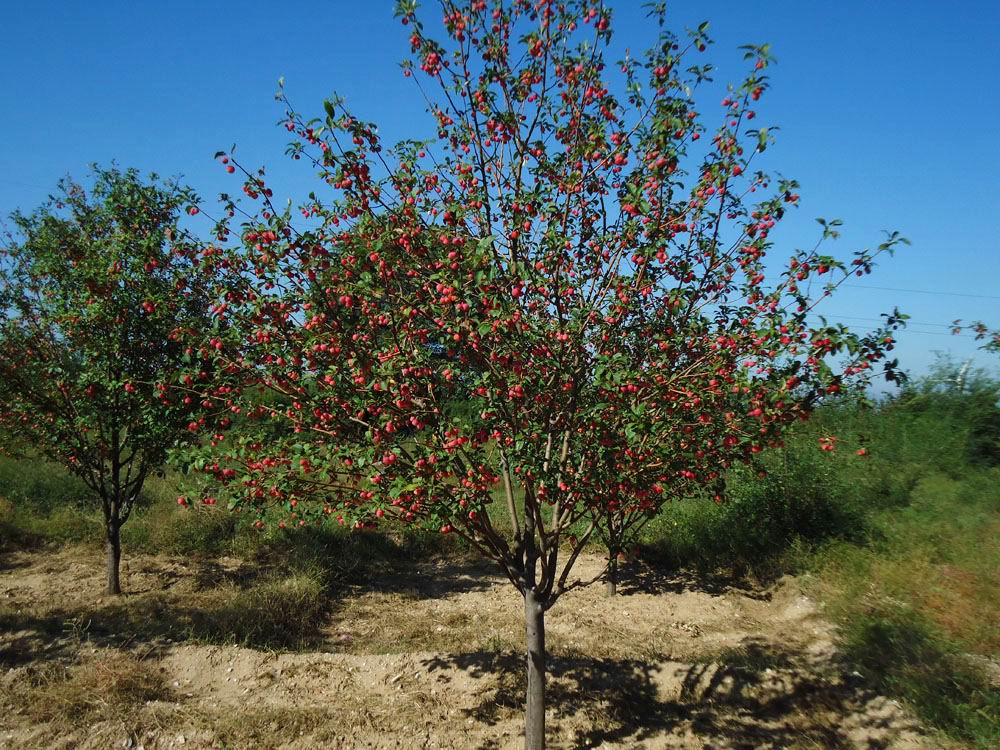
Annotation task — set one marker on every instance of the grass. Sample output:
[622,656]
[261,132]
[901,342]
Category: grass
[113,686]
[900,545]
[280,611]
[40,502]
[274,612]
[902,655]
[918,605]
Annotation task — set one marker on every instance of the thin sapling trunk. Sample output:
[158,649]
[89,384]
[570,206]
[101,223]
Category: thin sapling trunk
[611,577]
[534,711]
[113,546]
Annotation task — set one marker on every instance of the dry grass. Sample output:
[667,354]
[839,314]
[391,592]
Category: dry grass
[280,611]
[169,602]
[433,657]
[392,623]
[114,685]
[270,727]
[116,696]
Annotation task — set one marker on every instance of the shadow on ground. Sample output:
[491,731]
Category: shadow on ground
[269,604]
[725,705]
[275,602]
[650,577]
[759,693]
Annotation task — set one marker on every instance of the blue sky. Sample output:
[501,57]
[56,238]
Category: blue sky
[887,110]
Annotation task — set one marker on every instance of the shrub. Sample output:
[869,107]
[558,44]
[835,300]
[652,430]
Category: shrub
[900,654]
[805,497]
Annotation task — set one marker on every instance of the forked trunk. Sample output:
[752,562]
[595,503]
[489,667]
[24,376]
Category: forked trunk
[114,556]
[534,709]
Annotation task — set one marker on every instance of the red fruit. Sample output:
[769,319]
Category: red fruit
[230,169]
[193,210]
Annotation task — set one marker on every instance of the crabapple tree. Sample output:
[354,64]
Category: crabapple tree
[558,312]
[94,299]
[990,337]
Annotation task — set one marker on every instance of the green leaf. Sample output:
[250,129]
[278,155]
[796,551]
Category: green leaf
[485,243]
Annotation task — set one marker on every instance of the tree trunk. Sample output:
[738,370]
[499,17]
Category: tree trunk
[114,550]
[534,710]
[611,577]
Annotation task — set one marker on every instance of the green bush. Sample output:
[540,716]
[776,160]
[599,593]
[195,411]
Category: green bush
[806,495]
[965,406]
[947,424]
[900,654]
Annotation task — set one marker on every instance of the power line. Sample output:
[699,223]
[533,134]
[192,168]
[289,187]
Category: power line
[907,329]
[882,320]
[924,291]
[904,331]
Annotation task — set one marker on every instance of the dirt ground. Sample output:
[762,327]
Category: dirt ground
[428,658]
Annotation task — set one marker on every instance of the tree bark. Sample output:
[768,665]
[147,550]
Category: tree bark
[114,557]
[611,577]
[534,710]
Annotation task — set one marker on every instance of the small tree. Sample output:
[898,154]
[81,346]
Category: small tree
[539,325]
[94,299]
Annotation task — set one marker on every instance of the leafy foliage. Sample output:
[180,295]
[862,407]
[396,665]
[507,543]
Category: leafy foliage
[562,303]
[95,297]
[595,291]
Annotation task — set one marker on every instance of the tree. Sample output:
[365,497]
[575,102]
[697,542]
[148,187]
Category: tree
[981,332]
[94,298]
[589,281]
[964,401]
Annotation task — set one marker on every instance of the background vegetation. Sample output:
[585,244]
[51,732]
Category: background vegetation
[900,544]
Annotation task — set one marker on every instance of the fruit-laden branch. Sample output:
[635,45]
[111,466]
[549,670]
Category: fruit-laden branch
[561,311]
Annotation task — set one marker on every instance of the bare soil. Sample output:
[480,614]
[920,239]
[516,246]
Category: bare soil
[428,657]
